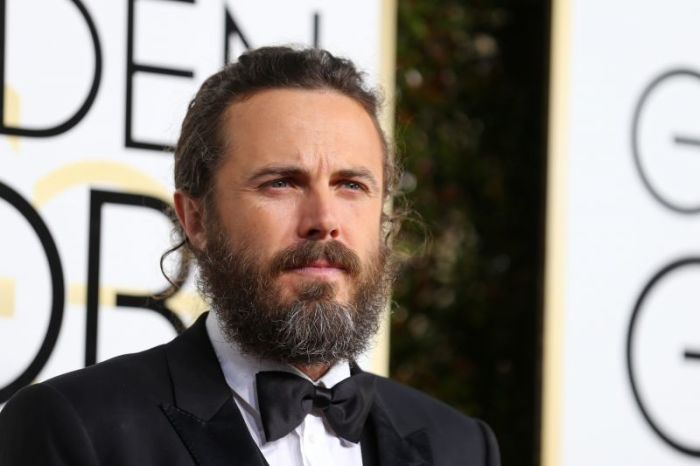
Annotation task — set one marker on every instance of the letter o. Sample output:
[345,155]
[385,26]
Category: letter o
[57,286]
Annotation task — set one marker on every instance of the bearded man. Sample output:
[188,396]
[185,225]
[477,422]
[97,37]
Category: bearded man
[282,174]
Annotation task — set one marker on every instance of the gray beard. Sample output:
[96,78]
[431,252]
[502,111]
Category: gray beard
[311,329]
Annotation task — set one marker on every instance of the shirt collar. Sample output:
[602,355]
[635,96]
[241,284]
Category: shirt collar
[239,368]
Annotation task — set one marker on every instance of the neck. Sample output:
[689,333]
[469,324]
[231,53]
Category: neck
[313,371]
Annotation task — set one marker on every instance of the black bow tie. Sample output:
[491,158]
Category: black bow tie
[285,399]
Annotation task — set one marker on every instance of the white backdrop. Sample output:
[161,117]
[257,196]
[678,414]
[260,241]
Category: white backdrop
[622,373]
[92,89]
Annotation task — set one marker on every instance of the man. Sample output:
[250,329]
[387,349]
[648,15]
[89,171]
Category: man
[282,173]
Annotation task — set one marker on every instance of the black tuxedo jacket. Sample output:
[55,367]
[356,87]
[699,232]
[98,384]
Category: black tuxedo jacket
[171,406]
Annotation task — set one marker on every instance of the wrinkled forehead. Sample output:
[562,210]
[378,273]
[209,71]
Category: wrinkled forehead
[313,128]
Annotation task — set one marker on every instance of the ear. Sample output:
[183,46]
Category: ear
[190,212]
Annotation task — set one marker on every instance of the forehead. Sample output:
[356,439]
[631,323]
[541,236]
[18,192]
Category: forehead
[306,127]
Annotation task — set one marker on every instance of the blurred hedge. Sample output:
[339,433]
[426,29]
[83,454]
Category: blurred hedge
[471,88]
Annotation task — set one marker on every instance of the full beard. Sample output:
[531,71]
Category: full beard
[310,328]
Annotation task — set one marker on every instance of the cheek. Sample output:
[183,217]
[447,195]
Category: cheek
[364,226]
[260,226]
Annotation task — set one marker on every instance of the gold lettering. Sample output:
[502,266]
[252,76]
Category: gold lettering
[7,297]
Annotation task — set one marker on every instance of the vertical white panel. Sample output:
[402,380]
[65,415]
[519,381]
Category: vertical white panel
[622,361]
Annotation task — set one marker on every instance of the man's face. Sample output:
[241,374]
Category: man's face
[296,226]
[304,165]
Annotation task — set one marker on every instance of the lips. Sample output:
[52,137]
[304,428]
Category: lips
[318,269]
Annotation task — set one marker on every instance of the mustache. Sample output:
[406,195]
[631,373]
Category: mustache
[302,255]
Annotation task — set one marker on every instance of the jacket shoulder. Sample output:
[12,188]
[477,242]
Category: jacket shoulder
[107,414]
[128,387]
[142,373]
[452,434]
[40,426]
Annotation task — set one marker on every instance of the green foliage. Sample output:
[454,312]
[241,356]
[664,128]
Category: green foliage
[470,129]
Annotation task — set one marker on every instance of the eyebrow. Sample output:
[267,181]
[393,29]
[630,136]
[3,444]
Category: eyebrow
[361,173]
[276,170]
[295,171]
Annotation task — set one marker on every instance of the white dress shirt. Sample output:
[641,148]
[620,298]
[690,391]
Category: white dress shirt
[313,442]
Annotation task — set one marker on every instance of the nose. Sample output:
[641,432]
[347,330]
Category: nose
[319,216]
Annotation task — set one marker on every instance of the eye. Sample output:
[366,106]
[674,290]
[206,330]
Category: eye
[278,183]
[353,185]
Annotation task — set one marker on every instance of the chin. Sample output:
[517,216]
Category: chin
[320,290]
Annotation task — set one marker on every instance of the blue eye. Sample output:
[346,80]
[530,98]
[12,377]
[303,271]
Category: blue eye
[354,186]
[279,184]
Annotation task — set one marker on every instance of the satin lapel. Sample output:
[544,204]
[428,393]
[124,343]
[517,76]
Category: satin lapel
[222,441]
[393,449]
[204,413]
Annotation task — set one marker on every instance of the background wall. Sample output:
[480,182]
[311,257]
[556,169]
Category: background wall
[622,372]
[471,95]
